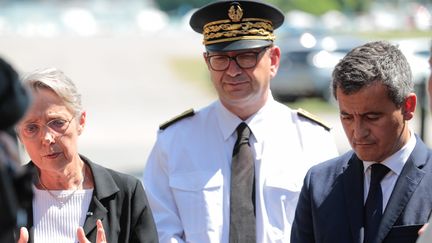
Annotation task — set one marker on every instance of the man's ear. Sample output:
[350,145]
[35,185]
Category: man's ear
[205,54]
[275,54]
[409,106]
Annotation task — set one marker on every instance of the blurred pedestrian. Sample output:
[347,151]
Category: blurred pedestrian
[15,183]
[75,198]
[379,191]
[232,171]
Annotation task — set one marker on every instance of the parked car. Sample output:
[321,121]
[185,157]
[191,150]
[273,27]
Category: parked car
[307,61]
[417,51]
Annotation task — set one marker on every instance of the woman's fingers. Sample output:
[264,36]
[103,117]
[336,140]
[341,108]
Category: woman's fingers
[81,236]
[100,238]
[24,235]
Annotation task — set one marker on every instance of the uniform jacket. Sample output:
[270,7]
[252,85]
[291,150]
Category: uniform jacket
[187,176]
[330,207]
[120,202]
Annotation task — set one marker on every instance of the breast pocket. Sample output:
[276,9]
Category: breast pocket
[403,234]
[280,198]
[199,200]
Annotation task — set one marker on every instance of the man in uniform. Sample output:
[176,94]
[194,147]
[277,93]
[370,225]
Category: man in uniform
[200,188]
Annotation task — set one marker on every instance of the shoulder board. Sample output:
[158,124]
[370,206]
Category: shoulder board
[177,118]
[312,117]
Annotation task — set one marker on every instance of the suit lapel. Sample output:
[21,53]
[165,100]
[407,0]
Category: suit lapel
[353,189]
[406,184]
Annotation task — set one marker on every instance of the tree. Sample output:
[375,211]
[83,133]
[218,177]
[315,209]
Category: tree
[180,5]
[313,7]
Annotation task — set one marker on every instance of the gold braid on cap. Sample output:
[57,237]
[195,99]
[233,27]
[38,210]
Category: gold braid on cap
[237,28]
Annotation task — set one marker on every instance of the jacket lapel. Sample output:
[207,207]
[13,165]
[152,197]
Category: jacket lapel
[408,180]
[96,211]
[353,189]
[104,187]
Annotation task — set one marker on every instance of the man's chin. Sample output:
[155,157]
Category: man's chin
[367,156]
[364,152]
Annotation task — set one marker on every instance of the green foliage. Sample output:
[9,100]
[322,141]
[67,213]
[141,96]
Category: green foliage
[180,5]
[356,6]
[314,7]
[314,105]
[388,35]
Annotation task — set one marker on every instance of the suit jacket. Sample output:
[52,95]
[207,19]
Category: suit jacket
[120,202]
[330,207]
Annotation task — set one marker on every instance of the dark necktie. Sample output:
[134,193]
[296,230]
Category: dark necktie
[374,203]
[242,199]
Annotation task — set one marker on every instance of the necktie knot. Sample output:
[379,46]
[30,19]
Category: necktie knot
[243,133]
[378,172]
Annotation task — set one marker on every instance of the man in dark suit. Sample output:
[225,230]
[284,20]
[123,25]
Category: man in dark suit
[343,199]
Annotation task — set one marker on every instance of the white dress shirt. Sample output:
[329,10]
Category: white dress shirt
[57,222]
[395,163]
[187,176]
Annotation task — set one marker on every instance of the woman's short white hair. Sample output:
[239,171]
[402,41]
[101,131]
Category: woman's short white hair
[55,80]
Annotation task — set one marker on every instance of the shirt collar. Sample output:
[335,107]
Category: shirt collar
[397,160]
[228,121]
[256,121]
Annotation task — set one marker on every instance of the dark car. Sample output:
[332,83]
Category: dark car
[307,61]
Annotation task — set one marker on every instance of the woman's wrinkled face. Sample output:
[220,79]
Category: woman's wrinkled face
[49,131]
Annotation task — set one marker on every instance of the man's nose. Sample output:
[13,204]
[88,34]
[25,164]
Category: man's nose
[360,129]
[233,68]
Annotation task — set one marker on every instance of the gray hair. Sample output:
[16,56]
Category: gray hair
[371,63]
[55,80]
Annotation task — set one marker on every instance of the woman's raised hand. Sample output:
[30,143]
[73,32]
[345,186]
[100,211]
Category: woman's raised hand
[100,237]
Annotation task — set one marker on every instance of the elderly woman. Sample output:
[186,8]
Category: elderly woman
[74,198]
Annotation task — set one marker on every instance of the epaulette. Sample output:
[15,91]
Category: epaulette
[313,118]
[177,118]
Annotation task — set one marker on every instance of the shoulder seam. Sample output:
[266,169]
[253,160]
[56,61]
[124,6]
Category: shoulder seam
[185,114]
[312,117]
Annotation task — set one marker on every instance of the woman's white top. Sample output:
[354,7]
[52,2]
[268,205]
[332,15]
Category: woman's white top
[57,214]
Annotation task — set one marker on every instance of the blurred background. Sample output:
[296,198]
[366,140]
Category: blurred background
[137,63]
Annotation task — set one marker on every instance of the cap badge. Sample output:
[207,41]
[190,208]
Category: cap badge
[236,26]
[235,12]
